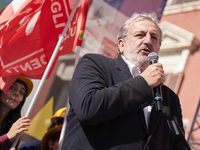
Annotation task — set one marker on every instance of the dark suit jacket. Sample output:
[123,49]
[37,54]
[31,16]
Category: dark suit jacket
[106,109]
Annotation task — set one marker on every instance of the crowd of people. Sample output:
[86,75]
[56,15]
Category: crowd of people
[52,134]
[112,104]
[12,124]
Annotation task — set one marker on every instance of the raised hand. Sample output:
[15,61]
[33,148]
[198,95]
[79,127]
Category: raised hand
[18,127]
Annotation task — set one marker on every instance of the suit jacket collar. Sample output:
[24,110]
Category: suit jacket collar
[122,66]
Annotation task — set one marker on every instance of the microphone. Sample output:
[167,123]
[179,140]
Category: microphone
[157,92]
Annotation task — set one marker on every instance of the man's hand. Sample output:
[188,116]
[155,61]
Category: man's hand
[18,127]
[154,75]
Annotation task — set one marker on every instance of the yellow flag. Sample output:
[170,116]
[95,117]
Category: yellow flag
[41,121]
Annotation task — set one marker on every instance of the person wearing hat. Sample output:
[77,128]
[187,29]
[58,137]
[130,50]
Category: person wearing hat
[56,120]
[50,140]
[11,102]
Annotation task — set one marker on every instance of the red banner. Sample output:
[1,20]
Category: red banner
[29,32]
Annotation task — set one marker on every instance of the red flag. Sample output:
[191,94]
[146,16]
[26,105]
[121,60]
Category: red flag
[74,34]
[30,32]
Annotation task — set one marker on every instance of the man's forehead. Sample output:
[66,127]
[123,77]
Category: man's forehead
[144,24]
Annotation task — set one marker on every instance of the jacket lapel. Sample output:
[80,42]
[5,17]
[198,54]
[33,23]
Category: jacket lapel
[142,120]
[122,66]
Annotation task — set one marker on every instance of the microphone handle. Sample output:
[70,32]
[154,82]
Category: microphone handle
[157,93]
[153,61]
[158,98]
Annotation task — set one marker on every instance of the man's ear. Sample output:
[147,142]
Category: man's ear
[121,45]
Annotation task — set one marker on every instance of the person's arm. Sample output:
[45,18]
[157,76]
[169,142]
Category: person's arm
[4,142]
[95,97]
[18,127]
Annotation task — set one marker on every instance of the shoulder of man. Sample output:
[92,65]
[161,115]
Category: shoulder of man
[92,55]
[166,88]
[96,57]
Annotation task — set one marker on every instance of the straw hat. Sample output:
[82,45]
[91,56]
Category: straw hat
[28,82]
[48,134]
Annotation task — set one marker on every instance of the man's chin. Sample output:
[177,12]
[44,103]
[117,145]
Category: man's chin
[144,58]
[144,61]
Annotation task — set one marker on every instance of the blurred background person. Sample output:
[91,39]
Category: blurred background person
[11,102]
[56,120]
[50,140]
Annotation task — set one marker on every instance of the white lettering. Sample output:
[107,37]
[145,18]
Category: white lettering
[33,64]
[43,60]
[56,16]
[8,71]
[72,30]
[36,63]
[73,33]
[60,25]
[55,7]
[15,68]
[26,67]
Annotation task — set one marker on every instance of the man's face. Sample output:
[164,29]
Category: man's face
[142,38]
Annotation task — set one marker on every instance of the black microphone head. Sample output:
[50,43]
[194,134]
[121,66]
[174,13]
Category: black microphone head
[153,57]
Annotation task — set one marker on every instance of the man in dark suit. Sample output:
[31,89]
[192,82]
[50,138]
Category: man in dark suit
[111,101]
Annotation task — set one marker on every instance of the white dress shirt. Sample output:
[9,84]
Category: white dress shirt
[135,71]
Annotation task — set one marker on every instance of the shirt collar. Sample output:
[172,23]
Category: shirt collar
[135,71]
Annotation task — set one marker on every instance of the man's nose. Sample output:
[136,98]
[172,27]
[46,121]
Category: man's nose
[147,39]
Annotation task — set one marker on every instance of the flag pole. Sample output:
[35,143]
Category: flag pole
[77,57]
[51,61]
[48,67]
[67,106]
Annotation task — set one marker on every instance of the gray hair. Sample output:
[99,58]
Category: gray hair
[137,17]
